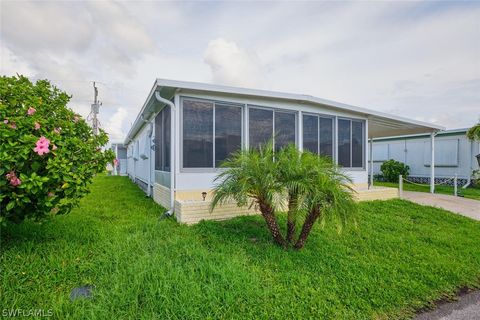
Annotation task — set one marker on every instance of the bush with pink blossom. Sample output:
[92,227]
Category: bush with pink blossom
[48,153]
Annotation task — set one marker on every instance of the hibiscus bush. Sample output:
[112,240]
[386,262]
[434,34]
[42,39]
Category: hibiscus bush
[48,153]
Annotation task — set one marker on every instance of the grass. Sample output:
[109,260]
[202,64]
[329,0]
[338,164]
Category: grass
[470,192]
[400,258]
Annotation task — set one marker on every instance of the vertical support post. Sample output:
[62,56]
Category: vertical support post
[335,140]
[300,131]
[400,186]
[370,157]
[455,190]
[432,162]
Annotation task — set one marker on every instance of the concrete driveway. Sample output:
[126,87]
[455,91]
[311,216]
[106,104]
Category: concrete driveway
[466,207]
[466,308]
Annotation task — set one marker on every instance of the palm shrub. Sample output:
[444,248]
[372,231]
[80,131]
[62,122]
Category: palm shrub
[250,179]
[310,188]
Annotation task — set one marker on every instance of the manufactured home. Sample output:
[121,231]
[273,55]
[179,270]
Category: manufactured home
[121,156]
[455,155]
[185,130]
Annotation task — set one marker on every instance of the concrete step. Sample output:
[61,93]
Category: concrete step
[376,193]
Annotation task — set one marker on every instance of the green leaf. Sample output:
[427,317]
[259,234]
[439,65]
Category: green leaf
[10,205]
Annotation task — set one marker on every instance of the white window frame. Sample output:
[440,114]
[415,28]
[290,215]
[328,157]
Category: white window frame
[274,110]
[214,102]
[364,124]
[334,128]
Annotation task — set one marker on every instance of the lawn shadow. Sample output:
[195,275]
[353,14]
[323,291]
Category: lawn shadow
[239,230]
[51,230]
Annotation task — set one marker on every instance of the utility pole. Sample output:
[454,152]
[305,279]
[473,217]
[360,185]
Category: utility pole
[95,109]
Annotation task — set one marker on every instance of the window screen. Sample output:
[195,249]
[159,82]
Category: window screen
[260,124]
[310,133]
[357,144]
[351,143]
[162,140]
[197,134]
[228,131]
[166,138]
[284,129]
[326,137]
[212,131]
[344,143]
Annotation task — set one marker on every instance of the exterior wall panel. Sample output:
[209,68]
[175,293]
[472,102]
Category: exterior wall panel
[449,149]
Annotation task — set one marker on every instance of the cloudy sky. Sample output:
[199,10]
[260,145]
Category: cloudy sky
[419,60]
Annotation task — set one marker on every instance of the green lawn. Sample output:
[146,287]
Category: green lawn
[400,258]
[471,192]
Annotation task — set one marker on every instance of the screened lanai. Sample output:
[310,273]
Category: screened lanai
[187,129]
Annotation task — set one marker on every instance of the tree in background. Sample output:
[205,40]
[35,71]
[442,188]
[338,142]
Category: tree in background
[303,184]
[48,154]
[474,132]
[474,135]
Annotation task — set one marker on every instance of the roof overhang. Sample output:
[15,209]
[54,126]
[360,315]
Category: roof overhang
[380,124]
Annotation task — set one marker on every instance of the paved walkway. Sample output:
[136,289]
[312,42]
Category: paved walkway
[466,308]
[466,207]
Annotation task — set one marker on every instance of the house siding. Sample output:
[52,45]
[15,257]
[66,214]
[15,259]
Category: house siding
[415,152]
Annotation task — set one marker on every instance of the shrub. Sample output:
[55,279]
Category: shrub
[48,154]
[391,169]
[474,132]
[302,183]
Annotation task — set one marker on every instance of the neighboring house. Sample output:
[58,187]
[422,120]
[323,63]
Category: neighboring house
[185,130]
[121,156]
[454,155]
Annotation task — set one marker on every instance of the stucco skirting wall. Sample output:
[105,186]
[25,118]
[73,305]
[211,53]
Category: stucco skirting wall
[193,211]
[161,195]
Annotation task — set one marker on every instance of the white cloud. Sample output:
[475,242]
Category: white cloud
[418,60]
[232,65]
[114,126]
[46,26]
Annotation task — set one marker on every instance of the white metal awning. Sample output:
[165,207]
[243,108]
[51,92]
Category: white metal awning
[379,127]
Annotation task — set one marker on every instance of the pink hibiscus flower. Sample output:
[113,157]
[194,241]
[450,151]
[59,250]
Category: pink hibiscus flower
[31,111]
[13,179]
[37,125]
[5,121]
[11,175]
[42,146]
[15,182]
